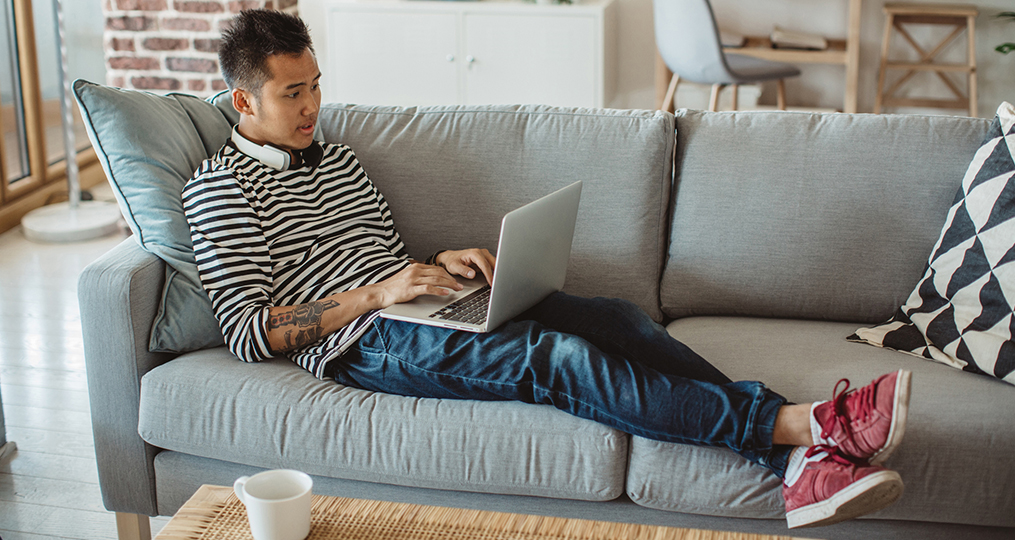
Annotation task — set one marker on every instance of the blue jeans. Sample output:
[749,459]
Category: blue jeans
[600,359]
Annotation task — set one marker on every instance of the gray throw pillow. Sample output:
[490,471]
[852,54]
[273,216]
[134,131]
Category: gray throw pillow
[149,146]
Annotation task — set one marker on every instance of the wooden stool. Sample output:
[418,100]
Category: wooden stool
[961,17]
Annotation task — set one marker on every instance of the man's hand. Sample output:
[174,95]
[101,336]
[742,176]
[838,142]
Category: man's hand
[465,263]
[418,279]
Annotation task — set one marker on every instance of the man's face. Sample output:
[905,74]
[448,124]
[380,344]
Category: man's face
[285,113]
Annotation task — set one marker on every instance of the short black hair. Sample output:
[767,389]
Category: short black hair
[253,36]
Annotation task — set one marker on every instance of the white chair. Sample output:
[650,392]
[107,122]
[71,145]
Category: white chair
[688,41]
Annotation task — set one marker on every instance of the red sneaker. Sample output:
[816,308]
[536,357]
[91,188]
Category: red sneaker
[832,488]
[866,424]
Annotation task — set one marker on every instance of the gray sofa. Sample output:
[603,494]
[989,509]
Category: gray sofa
[762,240]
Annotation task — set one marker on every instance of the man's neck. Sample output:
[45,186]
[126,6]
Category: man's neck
[266,154]
[245,133]
[276,157]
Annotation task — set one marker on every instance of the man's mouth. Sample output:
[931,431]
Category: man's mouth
[307,128]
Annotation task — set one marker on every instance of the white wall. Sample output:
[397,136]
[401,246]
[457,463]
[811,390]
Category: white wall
[820,86]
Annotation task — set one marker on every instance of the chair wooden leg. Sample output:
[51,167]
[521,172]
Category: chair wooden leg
[734,89]
[133,526]
[781,95]
[7,449]
[713,102]
[971,30]
[886,40]
[670,101]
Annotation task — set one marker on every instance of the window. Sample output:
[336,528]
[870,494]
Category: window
[32,152]
[13,152]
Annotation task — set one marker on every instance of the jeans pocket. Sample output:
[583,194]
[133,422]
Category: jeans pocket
[372,341]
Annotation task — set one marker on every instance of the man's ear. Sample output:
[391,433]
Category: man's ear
[243,101]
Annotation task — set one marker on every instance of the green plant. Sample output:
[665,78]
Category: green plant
[1006,48]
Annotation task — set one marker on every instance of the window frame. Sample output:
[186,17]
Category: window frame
[42,174]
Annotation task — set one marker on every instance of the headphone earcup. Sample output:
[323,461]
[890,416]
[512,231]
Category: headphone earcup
[277,155]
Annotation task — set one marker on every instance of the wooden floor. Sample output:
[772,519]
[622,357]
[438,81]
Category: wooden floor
[49,487]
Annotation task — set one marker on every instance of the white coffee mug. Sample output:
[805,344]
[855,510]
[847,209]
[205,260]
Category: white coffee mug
[278,503]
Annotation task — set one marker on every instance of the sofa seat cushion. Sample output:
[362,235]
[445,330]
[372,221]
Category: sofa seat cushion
[274,414]
[955,459]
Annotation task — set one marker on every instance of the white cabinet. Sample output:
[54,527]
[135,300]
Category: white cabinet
[531,58]
[386,57]
[398,52]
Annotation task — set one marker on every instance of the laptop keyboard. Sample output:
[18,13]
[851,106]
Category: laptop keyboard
[471,309]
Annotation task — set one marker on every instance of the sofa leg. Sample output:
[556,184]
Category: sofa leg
[133,527]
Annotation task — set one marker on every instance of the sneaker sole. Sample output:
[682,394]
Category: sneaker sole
[898,427]
[869,494]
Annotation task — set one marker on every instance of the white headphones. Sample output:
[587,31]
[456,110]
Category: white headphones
[267,154]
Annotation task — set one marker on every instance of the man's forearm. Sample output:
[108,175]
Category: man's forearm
[293,327]
[299,325]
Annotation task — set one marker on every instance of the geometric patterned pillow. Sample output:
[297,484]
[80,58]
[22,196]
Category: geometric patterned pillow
[961,313]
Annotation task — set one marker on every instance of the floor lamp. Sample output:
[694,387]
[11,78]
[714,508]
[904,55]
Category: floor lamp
[74,220]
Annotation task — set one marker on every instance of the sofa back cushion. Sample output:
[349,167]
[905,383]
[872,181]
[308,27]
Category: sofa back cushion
[449,175]
[817,216]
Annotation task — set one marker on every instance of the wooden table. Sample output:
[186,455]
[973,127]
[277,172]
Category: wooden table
[6,447]
[215,513]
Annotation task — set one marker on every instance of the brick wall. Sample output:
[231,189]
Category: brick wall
[170,45]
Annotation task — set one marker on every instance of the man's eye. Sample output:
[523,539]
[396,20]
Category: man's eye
[294,94]
[316,86]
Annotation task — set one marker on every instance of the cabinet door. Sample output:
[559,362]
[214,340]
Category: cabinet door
[392,58]
[539,58]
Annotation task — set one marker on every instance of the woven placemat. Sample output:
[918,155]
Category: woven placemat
[224,517]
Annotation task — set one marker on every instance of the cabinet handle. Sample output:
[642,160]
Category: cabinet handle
[451,58]
[470,59]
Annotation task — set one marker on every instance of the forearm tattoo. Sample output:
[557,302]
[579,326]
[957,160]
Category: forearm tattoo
[302,323]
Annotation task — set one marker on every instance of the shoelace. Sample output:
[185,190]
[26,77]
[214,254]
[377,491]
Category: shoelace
[833,453]
[865,395]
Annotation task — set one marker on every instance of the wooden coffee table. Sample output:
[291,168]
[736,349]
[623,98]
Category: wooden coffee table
[214,513]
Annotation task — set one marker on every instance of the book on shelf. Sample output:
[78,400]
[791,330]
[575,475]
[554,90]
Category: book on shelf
[731,39]
[786,39]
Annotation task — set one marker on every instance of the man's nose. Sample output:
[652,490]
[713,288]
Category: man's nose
[311,106]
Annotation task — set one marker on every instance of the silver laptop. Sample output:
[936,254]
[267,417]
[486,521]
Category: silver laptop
[532,256]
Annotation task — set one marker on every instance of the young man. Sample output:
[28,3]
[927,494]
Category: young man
[298,251]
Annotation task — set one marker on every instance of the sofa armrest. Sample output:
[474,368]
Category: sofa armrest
[119,296]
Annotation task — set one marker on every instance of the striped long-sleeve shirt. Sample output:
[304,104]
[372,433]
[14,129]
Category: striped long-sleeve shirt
[264,237]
